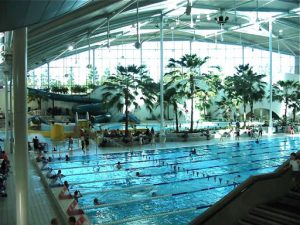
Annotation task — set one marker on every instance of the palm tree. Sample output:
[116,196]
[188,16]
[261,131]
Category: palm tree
[285,91]
[248,86]
[295,104]
[186,77]
[173,96]
[127,88]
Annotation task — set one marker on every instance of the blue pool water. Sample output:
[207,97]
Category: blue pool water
[185,186]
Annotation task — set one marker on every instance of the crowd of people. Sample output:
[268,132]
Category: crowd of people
[4,169]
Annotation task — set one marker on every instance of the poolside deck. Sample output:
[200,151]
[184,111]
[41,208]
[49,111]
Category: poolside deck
[41,210]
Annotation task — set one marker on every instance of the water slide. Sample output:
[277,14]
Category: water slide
[63,97]
[132,119]
[91,105]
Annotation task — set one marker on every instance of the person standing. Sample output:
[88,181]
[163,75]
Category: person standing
[70,143]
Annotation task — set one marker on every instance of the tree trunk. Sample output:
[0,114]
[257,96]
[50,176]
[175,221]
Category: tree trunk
[126,116]
[245,114]
[176,119]
[294,115]
[192,114]
[285,112]
[251,111]
[52,108]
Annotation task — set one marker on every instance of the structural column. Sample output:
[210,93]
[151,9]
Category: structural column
[20,124]
[162,122]
[270,129]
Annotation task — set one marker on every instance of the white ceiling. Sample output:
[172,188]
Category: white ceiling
[88,25]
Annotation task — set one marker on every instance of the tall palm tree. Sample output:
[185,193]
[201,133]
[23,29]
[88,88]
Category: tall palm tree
[247,85]
[130,86]
[295,104]
[186,76]
[285,91]
[173,96]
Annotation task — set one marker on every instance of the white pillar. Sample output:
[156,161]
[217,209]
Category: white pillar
[141,55]
[94,68]
[162,122]
[270,129]
[243,54]
[20,128]
[48,75]
[7,131]
[76,118]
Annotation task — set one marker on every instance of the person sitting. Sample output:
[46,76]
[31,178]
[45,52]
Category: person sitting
[72,220]
[96,201]
[67,158]
[77,195]
[57,176]
[118,165]
[54,221]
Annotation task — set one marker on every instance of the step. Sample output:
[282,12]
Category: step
[289,213]
[290,202]
[243,222]
[294,195]
[275,217]
[284,207]
[257,220]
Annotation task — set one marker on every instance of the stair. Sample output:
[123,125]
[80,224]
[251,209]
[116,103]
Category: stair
[284,211]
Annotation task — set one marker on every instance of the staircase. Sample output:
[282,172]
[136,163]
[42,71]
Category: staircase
[284,211]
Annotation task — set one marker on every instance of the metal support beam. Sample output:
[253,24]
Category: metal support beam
[20,128]
[162,122]
[270,129]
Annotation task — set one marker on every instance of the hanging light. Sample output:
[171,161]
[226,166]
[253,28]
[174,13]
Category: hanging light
[137,44]
[70,47]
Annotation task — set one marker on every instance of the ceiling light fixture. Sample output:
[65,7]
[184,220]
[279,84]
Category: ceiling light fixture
[70,47]
[137,44]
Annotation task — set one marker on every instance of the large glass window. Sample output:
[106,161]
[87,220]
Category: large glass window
[74,69]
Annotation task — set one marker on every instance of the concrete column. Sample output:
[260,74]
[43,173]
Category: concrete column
[48,75]
[162,122]
[297,65]
[270,129]
[20,128]
[243,54]
[94,67]
[7,131]
[141,55]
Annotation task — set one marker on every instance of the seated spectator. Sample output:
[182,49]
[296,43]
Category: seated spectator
[77,195]
[138,174]
[67,158]
[72,220]
[54,221]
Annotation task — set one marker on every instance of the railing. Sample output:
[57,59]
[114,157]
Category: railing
[229,199]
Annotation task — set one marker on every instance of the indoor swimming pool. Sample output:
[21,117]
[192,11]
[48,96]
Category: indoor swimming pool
[174,185]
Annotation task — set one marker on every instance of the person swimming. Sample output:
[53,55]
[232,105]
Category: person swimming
[96,201]
[118,165]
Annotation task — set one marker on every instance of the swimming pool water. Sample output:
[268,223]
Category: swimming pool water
[184,185]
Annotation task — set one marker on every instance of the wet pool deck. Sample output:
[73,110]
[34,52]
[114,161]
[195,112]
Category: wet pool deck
[42,209]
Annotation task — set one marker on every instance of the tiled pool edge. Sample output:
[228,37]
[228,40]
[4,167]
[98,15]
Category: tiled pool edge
[53,193]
